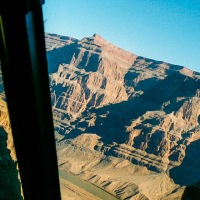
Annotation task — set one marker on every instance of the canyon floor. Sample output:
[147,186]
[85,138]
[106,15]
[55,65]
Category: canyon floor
[70,191]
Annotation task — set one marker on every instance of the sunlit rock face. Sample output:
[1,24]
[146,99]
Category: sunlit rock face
[129,124]
[112,106]
[87,73]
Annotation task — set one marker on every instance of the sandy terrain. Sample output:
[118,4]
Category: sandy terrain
[72,192]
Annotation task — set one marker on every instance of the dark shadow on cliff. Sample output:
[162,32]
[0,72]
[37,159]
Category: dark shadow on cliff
[188,172]
[111,120]
[10,188]
[65,54]
[61,55]
[192,192]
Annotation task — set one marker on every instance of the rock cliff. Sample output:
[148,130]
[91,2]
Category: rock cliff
[128,124]
[9,175]
[113,108]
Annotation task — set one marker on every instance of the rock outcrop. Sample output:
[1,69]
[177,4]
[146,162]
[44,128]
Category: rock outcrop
[110,105]
[90,73]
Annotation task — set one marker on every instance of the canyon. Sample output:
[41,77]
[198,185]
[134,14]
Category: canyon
[125,123]
[128,124]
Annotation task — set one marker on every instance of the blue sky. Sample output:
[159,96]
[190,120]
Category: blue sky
[165,30]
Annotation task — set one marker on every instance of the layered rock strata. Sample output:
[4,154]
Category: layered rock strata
[110,105]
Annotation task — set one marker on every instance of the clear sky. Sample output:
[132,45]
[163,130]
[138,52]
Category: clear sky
[164,30]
